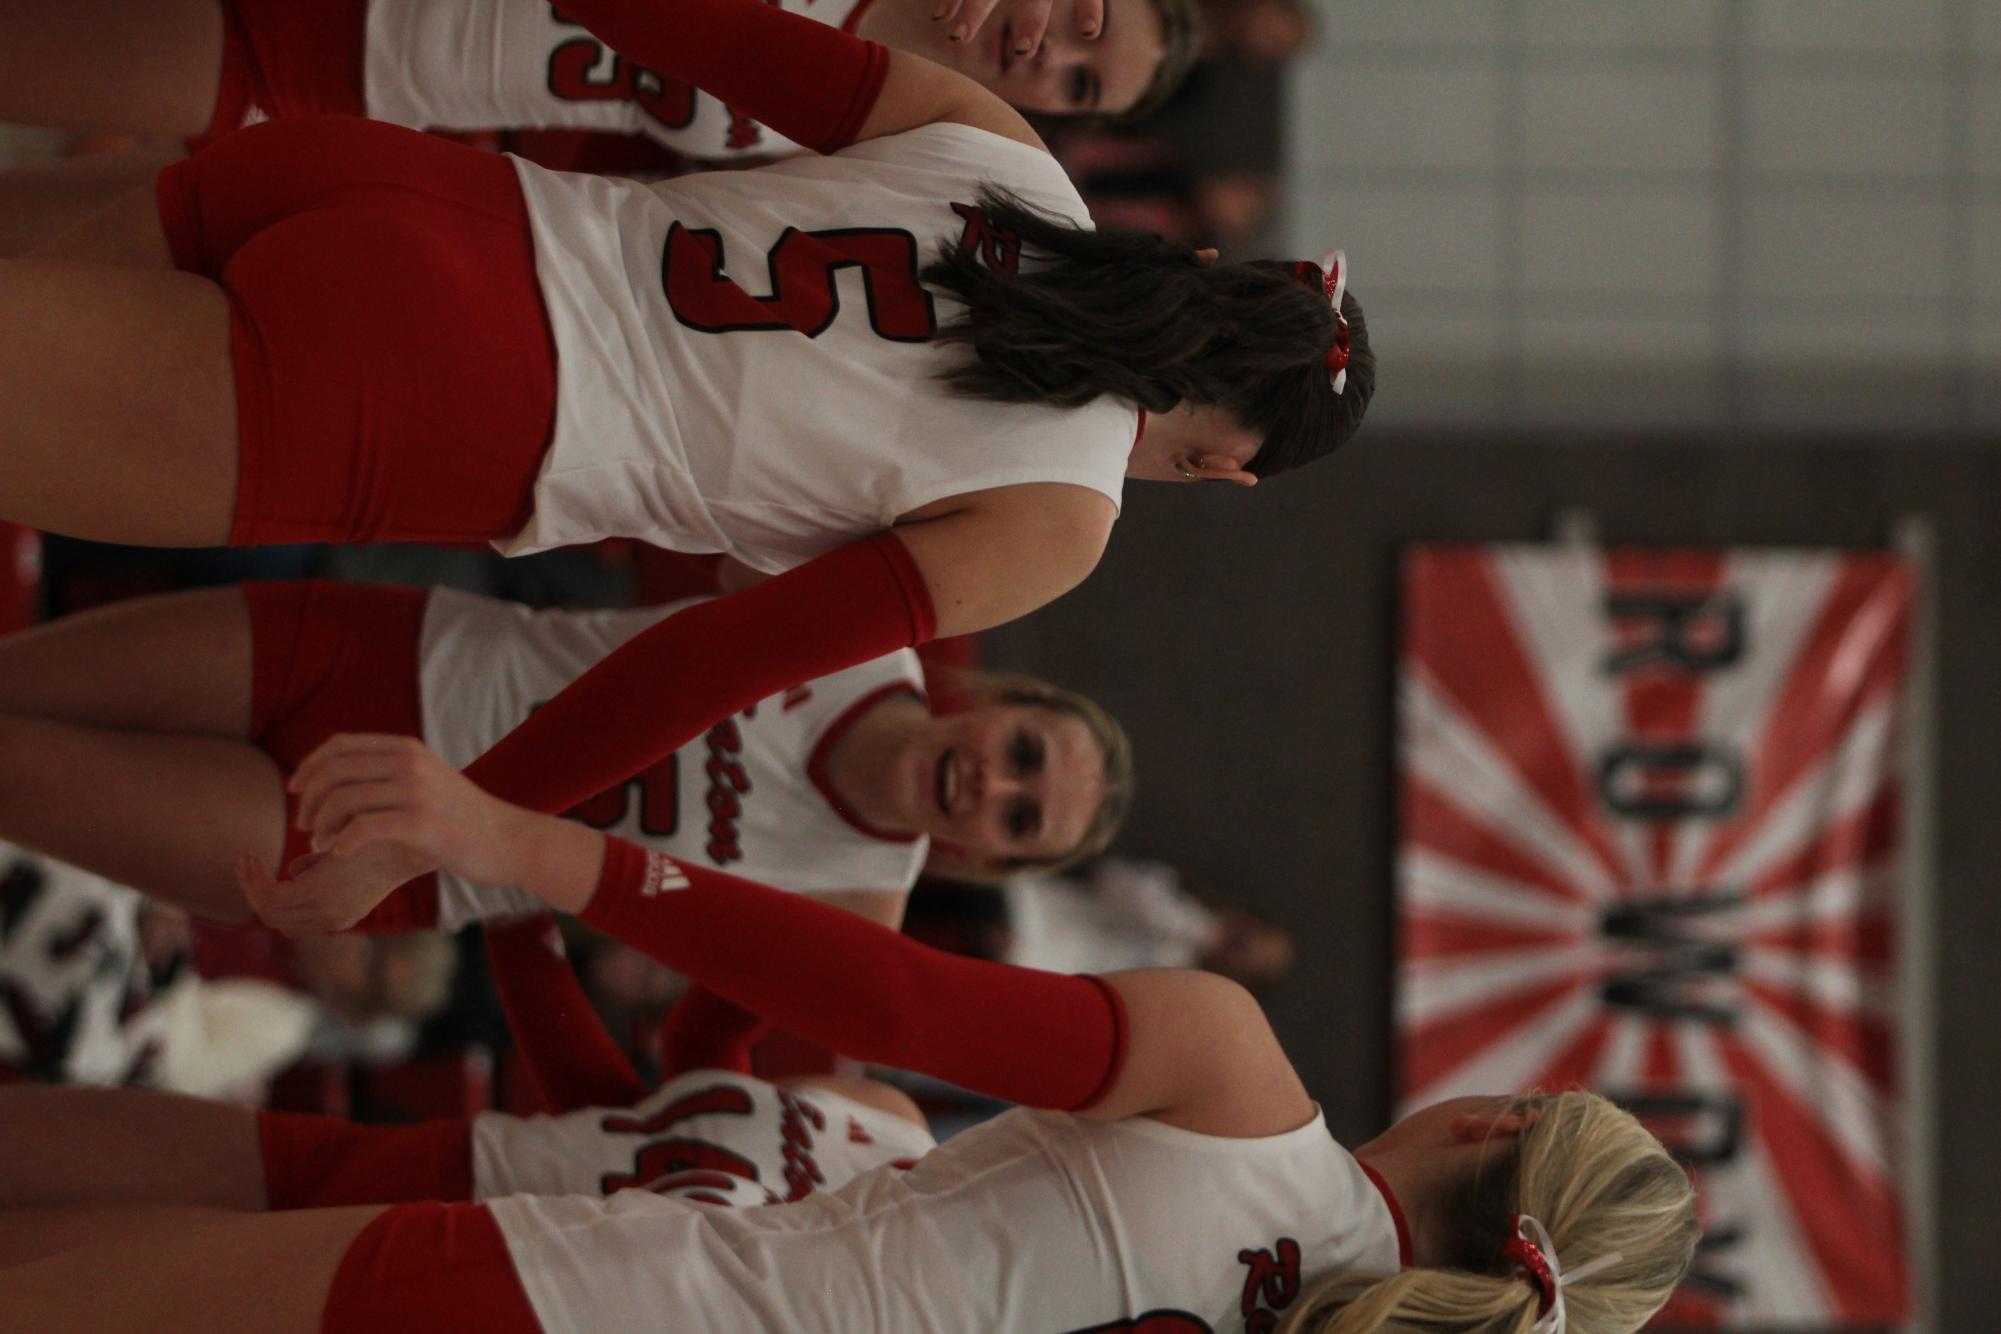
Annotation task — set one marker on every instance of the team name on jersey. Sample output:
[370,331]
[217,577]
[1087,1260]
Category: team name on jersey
[729,784]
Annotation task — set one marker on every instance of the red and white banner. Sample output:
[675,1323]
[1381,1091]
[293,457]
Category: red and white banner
[1649,846]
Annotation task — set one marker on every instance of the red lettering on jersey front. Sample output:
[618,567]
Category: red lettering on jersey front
[858,1135]
[803,297]
[743,132]
[728,783]
[664,1157]
[998,247]
[1273,1282]
[579,72]
[795,1131]
[794,697]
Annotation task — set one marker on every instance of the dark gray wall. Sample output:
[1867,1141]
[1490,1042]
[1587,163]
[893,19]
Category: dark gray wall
[1247,640]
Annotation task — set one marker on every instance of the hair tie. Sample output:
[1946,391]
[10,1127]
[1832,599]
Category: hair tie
[1330,278]
[1535,1256]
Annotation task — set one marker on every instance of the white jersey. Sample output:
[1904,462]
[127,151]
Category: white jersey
[1034,1223]
[519,64]
[778,424]
[747,797]
[709,1136]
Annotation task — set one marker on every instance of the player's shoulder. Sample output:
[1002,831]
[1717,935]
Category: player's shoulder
[974,155]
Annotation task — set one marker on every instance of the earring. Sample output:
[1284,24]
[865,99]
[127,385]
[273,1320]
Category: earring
[1182,468]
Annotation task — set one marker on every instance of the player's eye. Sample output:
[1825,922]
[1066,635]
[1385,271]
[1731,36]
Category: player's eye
[1084,87]
[1025,753]
[1024,819]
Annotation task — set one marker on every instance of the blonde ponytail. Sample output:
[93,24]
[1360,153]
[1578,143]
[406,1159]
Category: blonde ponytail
[1596,1180]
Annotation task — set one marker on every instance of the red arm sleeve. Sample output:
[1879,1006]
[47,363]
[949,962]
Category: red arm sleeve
[573,1059]
[706,1032]
[809,81]
[674,680]
[1043,1039]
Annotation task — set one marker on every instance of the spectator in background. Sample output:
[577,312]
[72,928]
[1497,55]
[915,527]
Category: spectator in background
[1121,914]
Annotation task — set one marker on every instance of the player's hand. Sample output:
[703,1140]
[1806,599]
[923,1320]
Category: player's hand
[324,893]
[1027,20]
[362,791]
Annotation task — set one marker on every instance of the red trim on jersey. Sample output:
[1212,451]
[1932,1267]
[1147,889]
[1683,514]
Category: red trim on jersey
[854,18]
[1140,433]
[816,763]
[1396,1211]
[1121,1040]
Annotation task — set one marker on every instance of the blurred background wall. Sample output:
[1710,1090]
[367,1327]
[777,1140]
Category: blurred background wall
[1709,271]
[1703,214]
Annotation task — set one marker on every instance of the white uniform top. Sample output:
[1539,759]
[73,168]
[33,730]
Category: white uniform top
[707,1135]
[518,64]
[1033,1223]
[744,798]
[765,442]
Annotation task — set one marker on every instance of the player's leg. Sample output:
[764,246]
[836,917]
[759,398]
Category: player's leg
[147,66]
[40,1231]
[121,419]
[173,662]
[42,201]
[78,1146]
[166,813]
[123,746]
[206,1273]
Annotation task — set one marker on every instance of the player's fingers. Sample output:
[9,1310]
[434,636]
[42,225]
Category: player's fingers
[275,905]
[336,772]
[383,826]
[946,10]
[347,801]
[972,14]
[1090,17]
[343,744]
[1026,23]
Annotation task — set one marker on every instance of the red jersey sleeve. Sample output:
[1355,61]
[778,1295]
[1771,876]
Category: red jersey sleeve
[679,677]
[574,1061]
[1044,1039]
[809,81]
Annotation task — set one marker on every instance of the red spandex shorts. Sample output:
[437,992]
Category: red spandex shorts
[284,58]
[330,657]
[428,1267]
[395,373]
[323,1162]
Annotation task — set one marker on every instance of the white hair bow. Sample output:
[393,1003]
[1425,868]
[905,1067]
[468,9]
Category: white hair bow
[1535,1254]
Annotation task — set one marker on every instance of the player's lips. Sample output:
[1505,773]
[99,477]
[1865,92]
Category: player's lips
[943,782]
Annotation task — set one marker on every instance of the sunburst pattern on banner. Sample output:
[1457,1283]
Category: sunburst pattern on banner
[1649,805]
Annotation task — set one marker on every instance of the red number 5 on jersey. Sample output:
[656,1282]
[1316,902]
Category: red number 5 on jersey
[803,296]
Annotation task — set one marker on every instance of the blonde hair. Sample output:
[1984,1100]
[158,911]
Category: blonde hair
[976,688]
[1591,1175]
